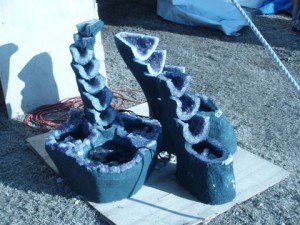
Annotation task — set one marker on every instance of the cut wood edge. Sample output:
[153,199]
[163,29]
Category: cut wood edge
[253,176]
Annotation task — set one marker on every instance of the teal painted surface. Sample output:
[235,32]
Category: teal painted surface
[103,154]
[193,127]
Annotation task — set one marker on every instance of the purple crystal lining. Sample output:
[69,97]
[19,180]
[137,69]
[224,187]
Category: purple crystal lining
[99,101]
[196,129]
[187,106]
[142,43]
[81,56]
[116,167]
[156,62]
[89,71]
[101,118]
[141,130]
[209,151]
[204,165]
[170,68]
[112,153]
[176,82]
[92,86]
[142,46]
[122,152]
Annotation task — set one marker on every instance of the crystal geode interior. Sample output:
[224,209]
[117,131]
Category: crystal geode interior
[193,127]
[103,154]
[106,155]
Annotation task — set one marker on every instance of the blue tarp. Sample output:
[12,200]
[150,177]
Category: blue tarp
[274,6]
[217,14]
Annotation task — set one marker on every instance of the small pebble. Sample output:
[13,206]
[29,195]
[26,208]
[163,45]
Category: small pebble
[79,197]
[59,180]
[173,178]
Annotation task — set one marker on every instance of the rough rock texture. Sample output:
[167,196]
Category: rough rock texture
[235,71]
[201,170]
[88,150]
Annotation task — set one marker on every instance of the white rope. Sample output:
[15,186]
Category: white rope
[267,46]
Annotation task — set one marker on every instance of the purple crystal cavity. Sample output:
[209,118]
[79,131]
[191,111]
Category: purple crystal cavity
[203,158]
[142,46]
[193,127]
[211,175]
[186,106]
[176,81]
[103,154]
[145,61]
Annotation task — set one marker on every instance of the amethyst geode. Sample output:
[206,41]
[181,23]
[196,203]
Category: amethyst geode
[103,154]
[193,127]
[205,141]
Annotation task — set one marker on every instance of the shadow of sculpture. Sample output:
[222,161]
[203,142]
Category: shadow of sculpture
[40,86]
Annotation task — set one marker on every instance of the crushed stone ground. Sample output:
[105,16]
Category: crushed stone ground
[235,72]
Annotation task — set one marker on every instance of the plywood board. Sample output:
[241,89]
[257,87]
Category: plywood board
[34,51]
[162,201]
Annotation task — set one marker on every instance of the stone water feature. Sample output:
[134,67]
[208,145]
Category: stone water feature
[194,128]
[106,155]
[103,154]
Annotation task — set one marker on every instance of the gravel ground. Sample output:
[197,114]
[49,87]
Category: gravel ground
[235,72]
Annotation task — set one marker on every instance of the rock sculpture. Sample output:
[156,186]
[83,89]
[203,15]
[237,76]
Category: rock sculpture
[103,154]
[106,155]
[193,126]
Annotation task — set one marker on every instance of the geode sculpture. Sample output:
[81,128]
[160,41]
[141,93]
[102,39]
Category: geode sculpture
[193,126]
[103,154]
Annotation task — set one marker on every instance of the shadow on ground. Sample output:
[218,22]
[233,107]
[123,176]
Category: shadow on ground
[20,168]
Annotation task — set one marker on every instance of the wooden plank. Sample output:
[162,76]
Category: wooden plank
[141,109]
[162,201]
[253,175]
[37,144]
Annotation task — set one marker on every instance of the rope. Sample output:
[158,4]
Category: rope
[267,47]
[50,116]
[120,99]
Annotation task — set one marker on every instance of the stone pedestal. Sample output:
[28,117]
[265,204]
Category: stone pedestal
[34,51]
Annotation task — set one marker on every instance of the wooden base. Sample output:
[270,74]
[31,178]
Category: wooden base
[162,201]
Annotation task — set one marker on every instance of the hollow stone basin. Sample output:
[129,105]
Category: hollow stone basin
[108,165]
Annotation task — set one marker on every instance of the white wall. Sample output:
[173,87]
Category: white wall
[34,50]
